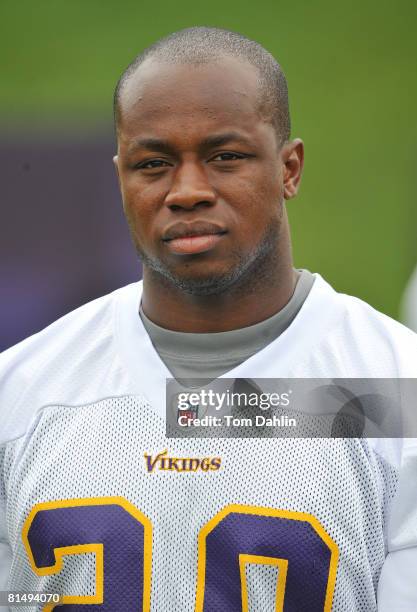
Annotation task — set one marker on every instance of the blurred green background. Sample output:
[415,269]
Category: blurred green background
[352,74]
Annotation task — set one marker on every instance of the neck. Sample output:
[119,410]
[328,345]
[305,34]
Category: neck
[261,295]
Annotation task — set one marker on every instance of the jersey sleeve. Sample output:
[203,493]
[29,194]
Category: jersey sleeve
[12,383]
[5,551]
[397,588]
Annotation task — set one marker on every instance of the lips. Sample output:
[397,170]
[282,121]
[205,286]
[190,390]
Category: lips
[193,238]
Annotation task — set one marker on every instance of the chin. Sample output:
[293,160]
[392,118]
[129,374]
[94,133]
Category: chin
[204,286]
[204,278]
[209,282]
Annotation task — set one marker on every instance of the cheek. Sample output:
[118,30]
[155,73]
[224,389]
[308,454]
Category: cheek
[263,184]
[264,212]
[263,202]
[271,185]
[139,204]
[271,199]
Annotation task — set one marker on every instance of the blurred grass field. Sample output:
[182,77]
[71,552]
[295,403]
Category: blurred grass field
[352,73]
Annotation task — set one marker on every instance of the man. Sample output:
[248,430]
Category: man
[98,504]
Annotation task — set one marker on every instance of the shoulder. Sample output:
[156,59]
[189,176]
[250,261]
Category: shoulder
[367,342]
[382,336]
[71,360]
[356,341]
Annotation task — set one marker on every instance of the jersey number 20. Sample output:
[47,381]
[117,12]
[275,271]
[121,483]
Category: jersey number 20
[120,536]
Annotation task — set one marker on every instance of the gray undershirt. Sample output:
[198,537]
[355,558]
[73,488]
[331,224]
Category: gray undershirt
[209,355]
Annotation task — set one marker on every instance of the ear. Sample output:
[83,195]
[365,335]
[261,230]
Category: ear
[293,160]
[116,165]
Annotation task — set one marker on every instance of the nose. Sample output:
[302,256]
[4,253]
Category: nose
[190,188]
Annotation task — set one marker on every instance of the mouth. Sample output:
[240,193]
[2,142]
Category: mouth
[193,238]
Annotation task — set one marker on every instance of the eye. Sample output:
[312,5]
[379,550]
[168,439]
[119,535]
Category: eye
[150,164]
[227,156]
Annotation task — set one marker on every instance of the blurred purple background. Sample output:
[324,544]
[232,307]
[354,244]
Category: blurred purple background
[63,236]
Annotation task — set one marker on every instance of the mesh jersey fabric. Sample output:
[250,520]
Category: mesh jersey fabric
[101,451]
[82,403]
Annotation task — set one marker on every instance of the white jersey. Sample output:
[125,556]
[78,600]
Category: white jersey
[98,505]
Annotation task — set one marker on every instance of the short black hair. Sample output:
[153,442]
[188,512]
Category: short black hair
[202,44]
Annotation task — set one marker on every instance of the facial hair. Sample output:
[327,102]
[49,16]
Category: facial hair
[248,271]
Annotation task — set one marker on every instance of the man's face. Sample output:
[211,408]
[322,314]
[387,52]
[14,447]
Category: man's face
[201,172]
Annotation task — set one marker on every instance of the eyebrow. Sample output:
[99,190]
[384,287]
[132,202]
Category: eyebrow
[150,144]
[216,140]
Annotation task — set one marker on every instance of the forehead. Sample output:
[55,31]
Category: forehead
[161,95]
